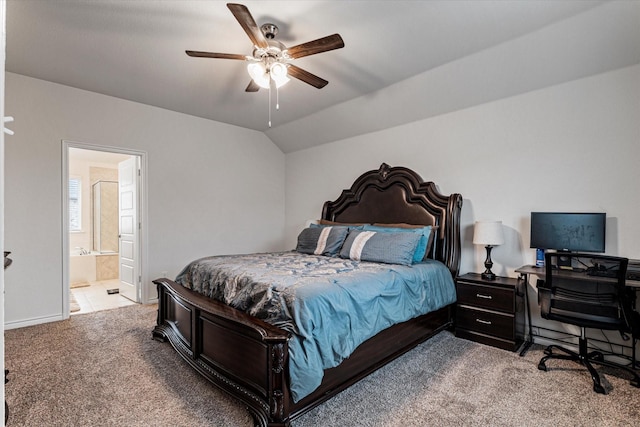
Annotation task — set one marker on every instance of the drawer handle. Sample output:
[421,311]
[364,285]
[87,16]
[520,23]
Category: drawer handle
[484,322]
[484,296]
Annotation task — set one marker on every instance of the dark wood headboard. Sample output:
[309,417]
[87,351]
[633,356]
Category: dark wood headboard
[398,195]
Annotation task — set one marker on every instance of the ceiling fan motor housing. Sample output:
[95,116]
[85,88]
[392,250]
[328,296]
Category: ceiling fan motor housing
[269,30]
[276,50]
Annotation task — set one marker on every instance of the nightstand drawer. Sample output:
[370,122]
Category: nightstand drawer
[486,297]
[487,322]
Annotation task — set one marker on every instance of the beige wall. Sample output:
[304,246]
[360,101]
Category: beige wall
[571,147]
[212,188]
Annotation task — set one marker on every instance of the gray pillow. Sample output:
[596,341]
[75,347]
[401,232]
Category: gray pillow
[425,232]
[322,240]
[386,247]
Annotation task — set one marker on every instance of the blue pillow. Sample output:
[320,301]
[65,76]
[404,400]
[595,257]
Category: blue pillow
[321,240]
[423,232]
[387,247]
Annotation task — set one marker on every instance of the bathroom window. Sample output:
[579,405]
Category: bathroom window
[75,204]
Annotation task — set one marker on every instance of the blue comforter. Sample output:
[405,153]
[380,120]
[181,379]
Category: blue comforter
[331,305]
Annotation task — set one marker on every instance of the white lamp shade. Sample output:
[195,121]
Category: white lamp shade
[278,70]
[259,74]
[488,233]
[279,73]
[280,80]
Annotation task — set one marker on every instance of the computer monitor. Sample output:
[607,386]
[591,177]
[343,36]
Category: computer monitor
[568,231]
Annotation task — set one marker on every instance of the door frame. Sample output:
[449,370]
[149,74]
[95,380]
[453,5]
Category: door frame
[143,291]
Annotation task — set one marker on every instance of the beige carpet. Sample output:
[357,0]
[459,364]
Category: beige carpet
[103,369]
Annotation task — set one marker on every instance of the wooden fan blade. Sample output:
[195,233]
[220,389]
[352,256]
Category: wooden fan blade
[248,24]
[198,54]
[307,77]
[252,87]
[316,46]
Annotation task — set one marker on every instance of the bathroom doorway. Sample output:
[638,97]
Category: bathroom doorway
[93,275]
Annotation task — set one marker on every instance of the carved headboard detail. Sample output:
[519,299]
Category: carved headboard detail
[399,195]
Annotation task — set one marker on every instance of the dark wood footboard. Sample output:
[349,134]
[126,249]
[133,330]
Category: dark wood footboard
[238,353]
[248,358]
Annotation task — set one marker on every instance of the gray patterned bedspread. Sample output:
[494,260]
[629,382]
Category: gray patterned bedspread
[331,305]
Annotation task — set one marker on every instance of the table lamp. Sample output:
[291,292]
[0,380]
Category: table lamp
[488,233]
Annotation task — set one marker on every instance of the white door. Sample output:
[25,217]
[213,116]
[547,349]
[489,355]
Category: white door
[129,258]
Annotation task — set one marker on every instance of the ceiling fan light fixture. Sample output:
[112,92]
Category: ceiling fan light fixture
[259,74]
[278,70]
[278,73]
[281,81]
[262,74]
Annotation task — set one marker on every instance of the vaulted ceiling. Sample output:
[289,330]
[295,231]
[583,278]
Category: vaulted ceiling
[402,60]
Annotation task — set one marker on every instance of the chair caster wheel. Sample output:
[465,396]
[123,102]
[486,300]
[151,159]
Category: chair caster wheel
[542,366]
[547,351]
[634,382]
[599,389]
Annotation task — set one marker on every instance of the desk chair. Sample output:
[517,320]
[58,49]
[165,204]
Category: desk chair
[593,297]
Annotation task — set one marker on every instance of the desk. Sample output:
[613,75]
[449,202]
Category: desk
[527,270]
[541,271]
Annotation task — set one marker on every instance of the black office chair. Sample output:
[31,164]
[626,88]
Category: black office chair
[595,296]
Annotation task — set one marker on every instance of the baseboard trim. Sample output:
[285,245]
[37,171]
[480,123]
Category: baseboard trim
[31,322]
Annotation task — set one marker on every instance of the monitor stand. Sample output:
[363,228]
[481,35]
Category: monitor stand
[564,262]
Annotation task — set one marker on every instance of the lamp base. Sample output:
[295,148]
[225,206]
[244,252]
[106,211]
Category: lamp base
[488,276]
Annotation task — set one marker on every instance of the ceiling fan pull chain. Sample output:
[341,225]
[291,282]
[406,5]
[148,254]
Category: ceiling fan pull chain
[277,98]
[269,105]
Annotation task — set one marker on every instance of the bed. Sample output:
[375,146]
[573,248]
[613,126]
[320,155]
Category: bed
[250,358]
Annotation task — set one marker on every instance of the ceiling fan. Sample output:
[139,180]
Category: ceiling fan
[271,60]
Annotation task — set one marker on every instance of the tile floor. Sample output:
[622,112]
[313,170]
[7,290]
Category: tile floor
[95,297]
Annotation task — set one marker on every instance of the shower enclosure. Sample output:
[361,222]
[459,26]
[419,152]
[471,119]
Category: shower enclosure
[105,217]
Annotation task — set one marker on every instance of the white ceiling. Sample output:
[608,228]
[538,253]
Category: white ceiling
[400,62]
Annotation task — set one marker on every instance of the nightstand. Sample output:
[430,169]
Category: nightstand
[490,311]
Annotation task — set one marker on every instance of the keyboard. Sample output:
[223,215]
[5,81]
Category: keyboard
[574,269]
[603,273]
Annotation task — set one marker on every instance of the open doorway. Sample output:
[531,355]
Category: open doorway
[102,235]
